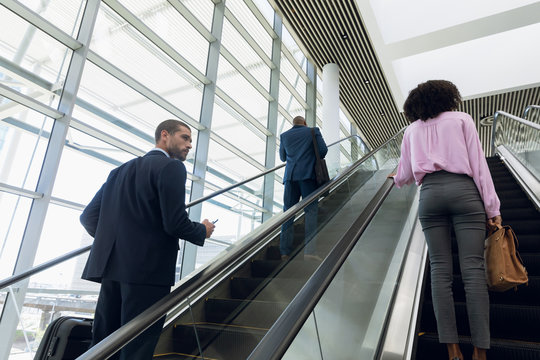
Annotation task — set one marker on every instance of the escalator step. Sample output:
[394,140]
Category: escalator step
[525,213]
[528,242]
[501,349]
[243,313]
[511,203]
[531,261]
[216,340]
[180,356]
[264,268]
[272,252]
[525,294]
[296,268]
[506,321]
[280,290]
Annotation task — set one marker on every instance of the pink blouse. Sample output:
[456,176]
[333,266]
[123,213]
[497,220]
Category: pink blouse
[447,142]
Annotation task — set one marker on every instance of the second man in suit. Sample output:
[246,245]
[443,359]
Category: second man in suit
[296,148]
[136,219]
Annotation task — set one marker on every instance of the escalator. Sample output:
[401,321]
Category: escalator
[249,304]
[344,307]
[514,315]
[231,319]
[226,308]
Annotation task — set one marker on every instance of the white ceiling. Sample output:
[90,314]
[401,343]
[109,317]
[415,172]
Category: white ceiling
[494,41]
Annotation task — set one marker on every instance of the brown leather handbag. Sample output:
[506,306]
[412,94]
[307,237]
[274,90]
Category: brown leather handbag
[504,267]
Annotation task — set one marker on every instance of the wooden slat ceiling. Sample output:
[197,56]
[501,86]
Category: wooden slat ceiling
[332,32]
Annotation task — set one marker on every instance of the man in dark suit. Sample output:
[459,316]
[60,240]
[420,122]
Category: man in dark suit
[296,148]
[136,219]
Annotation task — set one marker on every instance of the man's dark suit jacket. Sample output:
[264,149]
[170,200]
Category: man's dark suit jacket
[136,219]
[296,148]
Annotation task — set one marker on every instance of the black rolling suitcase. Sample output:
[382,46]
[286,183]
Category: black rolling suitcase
[65,339]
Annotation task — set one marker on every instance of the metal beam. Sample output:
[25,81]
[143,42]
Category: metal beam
[189,253]
[250,40]
[233,104]
[154,38]
[245,73]
[42,24]
[143,90]
[271,140]
[45,184]
[14,190]
[192,19]
[29,102]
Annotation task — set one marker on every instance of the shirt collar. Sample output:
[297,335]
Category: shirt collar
[163,151]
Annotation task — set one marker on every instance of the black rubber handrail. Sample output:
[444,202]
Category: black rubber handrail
[115,341]
[46,265]
[280,336]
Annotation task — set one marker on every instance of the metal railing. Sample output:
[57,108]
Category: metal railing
[37,269]
[513,117]
[115,341]
[528,108]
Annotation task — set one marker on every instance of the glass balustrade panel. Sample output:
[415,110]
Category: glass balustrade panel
[522,140]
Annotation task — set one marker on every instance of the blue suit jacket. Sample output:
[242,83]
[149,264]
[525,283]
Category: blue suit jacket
[136,219]
[296,148]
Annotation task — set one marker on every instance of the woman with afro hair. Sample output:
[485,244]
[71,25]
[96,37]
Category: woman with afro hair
[441,151]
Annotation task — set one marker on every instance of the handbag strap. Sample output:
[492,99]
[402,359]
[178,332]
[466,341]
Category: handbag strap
[315,144]
[516,243]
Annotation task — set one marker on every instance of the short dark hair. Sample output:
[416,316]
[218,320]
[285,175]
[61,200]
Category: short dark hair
[431,98]
[298,120]
[171,126]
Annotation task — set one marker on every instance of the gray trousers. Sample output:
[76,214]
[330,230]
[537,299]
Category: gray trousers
[446,200]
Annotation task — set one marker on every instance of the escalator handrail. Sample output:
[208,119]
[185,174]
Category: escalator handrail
[221,191]
[280,336]
[115,341]
[46,265]
[529,107]
[513,117]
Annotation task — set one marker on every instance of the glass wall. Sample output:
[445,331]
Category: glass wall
[83,85]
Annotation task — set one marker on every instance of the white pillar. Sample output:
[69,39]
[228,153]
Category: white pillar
[330,113]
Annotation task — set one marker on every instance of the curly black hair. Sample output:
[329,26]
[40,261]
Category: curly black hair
[431,98]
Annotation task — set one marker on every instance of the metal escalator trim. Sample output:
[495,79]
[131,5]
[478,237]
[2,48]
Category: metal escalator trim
[276,342]
[400,333]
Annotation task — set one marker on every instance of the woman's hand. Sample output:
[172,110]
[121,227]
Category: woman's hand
[494,221]
[391,175]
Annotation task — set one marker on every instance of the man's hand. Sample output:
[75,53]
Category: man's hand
[494,221]
[209,227]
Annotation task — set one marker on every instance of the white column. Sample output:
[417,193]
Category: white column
[330,113]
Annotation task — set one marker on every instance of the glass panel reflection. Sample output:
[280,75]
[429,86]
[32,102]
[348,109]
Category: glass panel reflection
[24,136]
[126,48]
[173,28]
[84,166]
[65,14]
[14,210]
[54,293]
[36,52]
[62,232]
[522,140]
